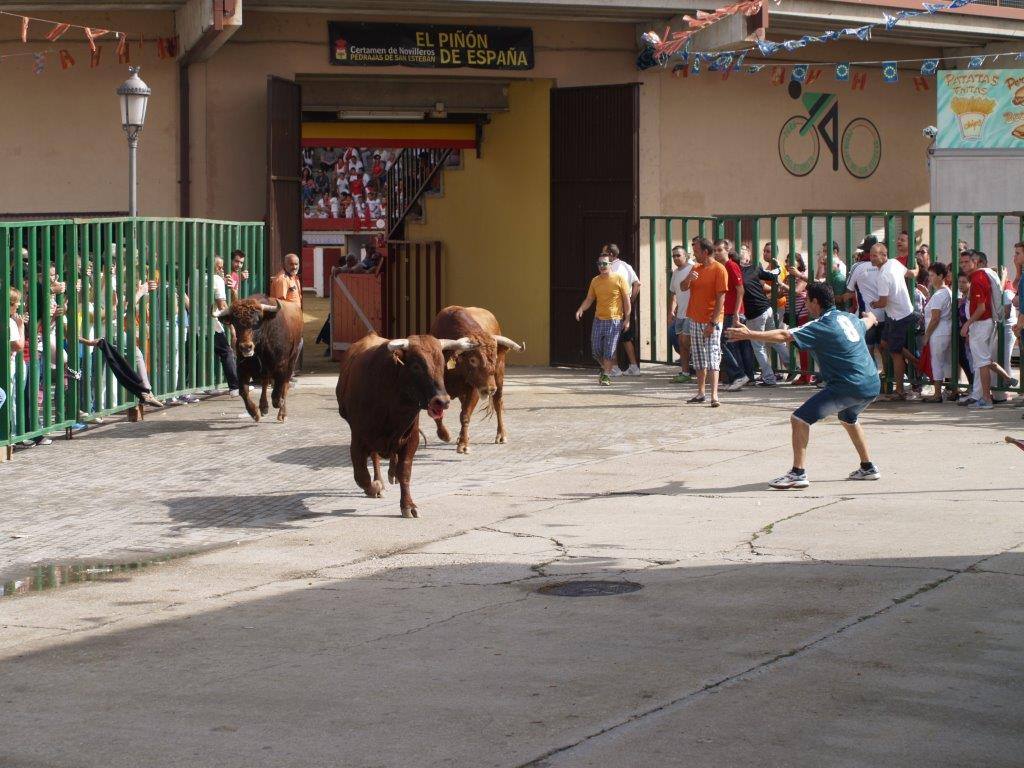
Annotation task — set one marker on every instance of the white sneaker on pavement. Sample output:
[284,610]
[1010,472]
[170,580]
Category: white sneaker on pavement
[633,370]
[737,384]
[865,474]
[616,371]
[789,481]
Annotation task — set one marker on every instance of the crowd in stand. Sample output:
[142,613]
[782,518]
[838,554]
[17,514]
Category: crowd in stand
[911,343]
[345,183]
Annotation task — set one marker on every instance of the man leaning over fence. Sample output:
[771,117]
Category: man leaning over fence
[221,344]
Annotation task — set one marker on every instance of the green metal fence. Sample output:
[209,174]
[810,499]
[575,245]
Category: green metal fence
[143,284]
[813,233]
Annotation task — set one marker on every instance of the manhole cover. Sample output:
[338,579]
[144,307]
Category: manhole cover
[589,588]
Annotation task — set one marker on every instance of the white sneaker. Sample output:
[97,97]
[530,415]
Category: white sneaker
[232,393]
[616,371]
[789,481]
[633,370]
[737,384]
[865,474]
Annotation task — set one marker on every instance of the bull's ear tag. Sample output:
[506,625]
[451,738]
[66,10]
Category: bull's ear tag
[450,365]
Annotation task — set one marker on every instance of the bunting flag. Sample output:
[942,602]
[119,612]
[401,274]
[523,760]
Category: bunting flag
[753,69]
[859,81]
[799,73]
[92,34]
[24,30]
[929,67]
[695,66]
[843,72]
[94,59]
[123,55]
[167,47]
[778,75]
[66,59]
[59,29]
[38,63]
[890,72]
[976,62]
[1020,56]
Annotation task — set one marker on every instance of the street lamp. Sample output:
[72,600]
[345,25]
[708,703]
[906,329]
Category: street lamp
[134,95]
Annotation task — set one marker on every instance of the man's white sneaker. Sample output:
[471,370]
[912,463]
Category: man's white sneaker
[616,371]
[789,481]
[633,370]
[865,474]
[737,384]
[232,393]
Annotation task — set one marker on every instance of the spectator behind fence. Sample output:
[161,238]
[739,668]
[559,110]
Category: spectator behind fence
[732,368]
[708,283]
[16,326]
[938,314]
[757,310]
[221,345]
[894,300]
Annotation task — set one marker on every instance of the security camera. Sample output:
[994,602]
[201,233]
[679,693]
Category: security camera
[930,132]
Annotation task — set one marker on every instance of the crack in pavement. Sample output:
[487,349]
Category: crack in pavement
[768,664]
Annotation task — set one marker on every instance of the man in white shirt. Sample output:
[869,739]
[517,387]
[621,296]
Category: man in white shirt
[618,266]
[862,283]
[894,300]
[680,301]
[221,347]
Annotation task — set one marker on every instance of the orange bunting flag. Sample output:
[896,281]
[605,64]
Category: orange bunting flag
[94,61]
[24,29]
[859,81]
[167,47]
[778,75]
[59,29]
[66,59]
[123,54]
[92,34]
[812,75]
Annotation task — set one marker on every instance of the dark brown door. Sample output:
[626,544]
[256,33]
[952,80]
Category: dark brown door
[594,200]
[284,195]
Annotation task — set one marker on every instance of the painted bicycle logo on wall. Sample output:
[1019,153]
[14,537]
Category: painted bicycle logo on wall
[859,147]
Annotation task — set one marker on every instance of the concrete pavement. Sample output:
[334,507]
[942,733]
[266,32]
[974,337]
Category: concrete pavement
[875,624]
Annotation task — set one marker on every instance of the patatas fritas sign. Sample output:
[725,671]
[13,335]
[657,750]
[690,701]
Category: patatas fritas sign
[981,109]
[442,46]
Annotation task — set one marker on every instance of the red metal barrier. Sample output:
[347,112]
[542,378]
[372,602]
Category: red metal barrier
[355,309]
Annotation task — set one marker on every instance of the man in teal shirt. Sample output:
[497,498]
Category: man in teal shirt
[851,379]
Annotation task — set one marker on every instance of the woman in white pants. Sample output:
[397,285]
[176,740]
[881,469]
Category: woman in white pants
[938,320]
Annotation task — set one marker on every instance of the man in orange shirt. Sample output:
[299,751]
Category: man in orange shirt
[285,284]
[708,283]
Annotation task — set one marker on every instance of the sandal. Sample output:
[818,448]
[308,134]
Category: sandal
[697,399]
[895,397]
[715,403]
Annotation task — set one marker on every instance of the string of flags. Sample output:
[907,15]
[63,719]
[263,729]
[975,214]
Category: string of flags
[167,47]
[658,50]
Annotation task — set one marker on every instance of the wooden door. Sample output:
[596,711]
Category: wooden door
[284,193]
[594,200]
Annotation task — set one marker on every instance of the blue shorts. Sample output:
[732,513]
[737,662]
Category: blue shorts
[604,338]
[828,401]
[681,325]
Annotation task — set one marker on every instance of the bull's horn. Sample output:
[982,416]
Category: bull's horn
[505,341]
[270,309]
[220,314]
[396,344]
[459,345]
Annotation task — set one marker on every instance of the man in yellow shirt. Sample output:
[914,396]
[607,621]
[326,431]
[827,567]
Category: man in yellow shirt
[611,315]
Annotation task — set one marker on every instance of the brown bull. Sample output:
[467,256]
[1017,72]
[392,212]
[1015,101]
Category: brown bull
[477,373]
[267,336]
[382,387]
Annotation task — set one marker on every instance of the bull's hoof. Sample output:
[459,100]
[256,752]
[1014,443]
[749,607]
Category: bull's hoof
[392,478]
[501,439]
[375,490]
[281,416]
[462,448]
[264,409]
[443,434]
[255,417]
[409,512]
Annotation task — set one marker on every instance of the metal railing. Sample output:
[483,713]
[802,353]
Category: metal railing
[411,175]
[144,284]
[808,234]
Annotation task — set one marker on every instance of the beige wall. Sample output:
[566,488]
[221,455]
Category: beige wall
[494,221]
[719,145]
[64,149]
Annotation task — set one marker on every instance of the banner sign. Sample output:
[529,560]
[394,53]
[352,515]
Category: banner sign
[442,46]
[981,109]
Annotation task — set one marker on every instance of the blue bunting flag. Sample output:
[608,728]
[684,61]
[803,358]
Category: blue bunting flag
[929,67]
[799,73]
[890,73]
[843,72]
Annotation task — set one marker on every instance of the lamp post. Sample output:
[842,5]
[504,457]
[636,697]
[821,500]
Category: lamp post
[134,95]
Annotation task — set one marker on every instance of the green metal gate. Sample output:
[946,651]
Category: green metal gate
[144,284]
